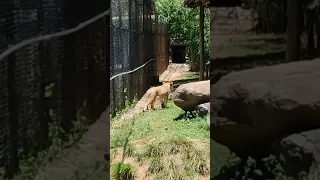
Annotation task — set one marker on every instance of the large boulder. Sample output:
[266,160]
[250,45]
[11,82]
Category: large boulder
[253,108]
[188,96]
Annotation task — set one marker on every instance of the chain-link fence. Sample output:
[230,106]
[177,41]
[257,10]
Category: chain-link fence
[53,83]
[135,39]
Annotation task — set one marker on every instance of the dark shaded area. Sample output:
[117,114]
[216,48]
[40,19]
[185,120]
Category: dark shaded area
[224,3]
[256,170]
[107,156]
[189,115]
[50,82]
[178,53]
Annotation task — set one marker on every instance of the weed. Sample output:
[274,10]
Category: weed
[122,171]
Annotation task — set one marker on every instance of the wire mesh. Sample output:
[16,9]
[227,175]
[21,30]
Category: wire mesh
[51,82]
[136,38]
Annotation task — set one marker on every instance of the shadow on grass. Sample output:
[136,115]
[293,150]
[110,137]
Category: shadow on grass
[125,145]
[188,116]
[238,60]
[183,116]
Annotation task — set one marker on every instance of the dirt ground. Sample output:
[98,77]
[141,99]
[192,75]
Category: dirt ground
[175,72]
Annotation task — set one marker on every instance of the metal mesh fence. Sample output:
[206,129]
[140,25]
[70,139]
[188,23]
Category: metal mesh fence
[136,37]
[49,84]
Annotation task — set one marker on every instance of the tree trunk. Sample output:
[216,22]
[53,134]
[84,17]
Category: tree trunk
[293,30]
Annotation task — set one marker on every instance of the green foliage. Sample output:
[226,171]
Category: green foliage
[122,171]
[184,25]
[49,90]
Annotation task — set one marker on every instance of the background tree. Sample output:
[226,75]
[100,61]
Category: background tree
[184,26]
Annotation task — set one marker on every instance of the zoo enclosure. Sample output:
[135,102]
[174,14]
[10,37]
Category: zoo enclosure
[136,37]
[49,86]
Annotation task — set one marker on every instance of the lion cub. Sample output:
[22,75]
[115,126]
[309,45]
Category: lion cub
[161,91]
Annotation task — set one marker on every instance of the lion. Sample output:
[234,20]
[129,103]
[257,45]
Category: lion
[161,91]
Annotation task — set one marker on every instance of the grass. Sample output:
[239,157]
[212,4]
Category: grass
[189,76]
[98,171]
[163,144]
[123,171]
[246,45]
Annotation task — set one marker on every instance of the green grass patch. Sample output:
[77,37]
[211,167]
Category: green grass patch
[190,76]
[173,144]
[246,45]
[123,171]
[161,123]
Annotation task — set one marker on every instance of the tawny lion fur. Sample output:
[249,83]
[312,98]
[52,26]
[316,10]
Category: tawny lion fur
[161,91]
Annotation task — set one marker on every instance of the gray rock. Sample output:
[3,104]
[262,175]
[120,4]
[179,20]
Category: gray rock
[188,96]
[203,109]
[300,151]
[263,104]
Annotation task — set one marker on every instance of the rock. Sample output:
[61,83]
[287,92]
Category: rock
[203,109]
[188,96]
[262,104]
[300,151]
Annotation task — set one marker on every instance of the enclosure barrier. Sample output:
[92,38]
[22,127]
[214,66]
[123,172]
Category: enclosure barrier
[50,83]
[136,38]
